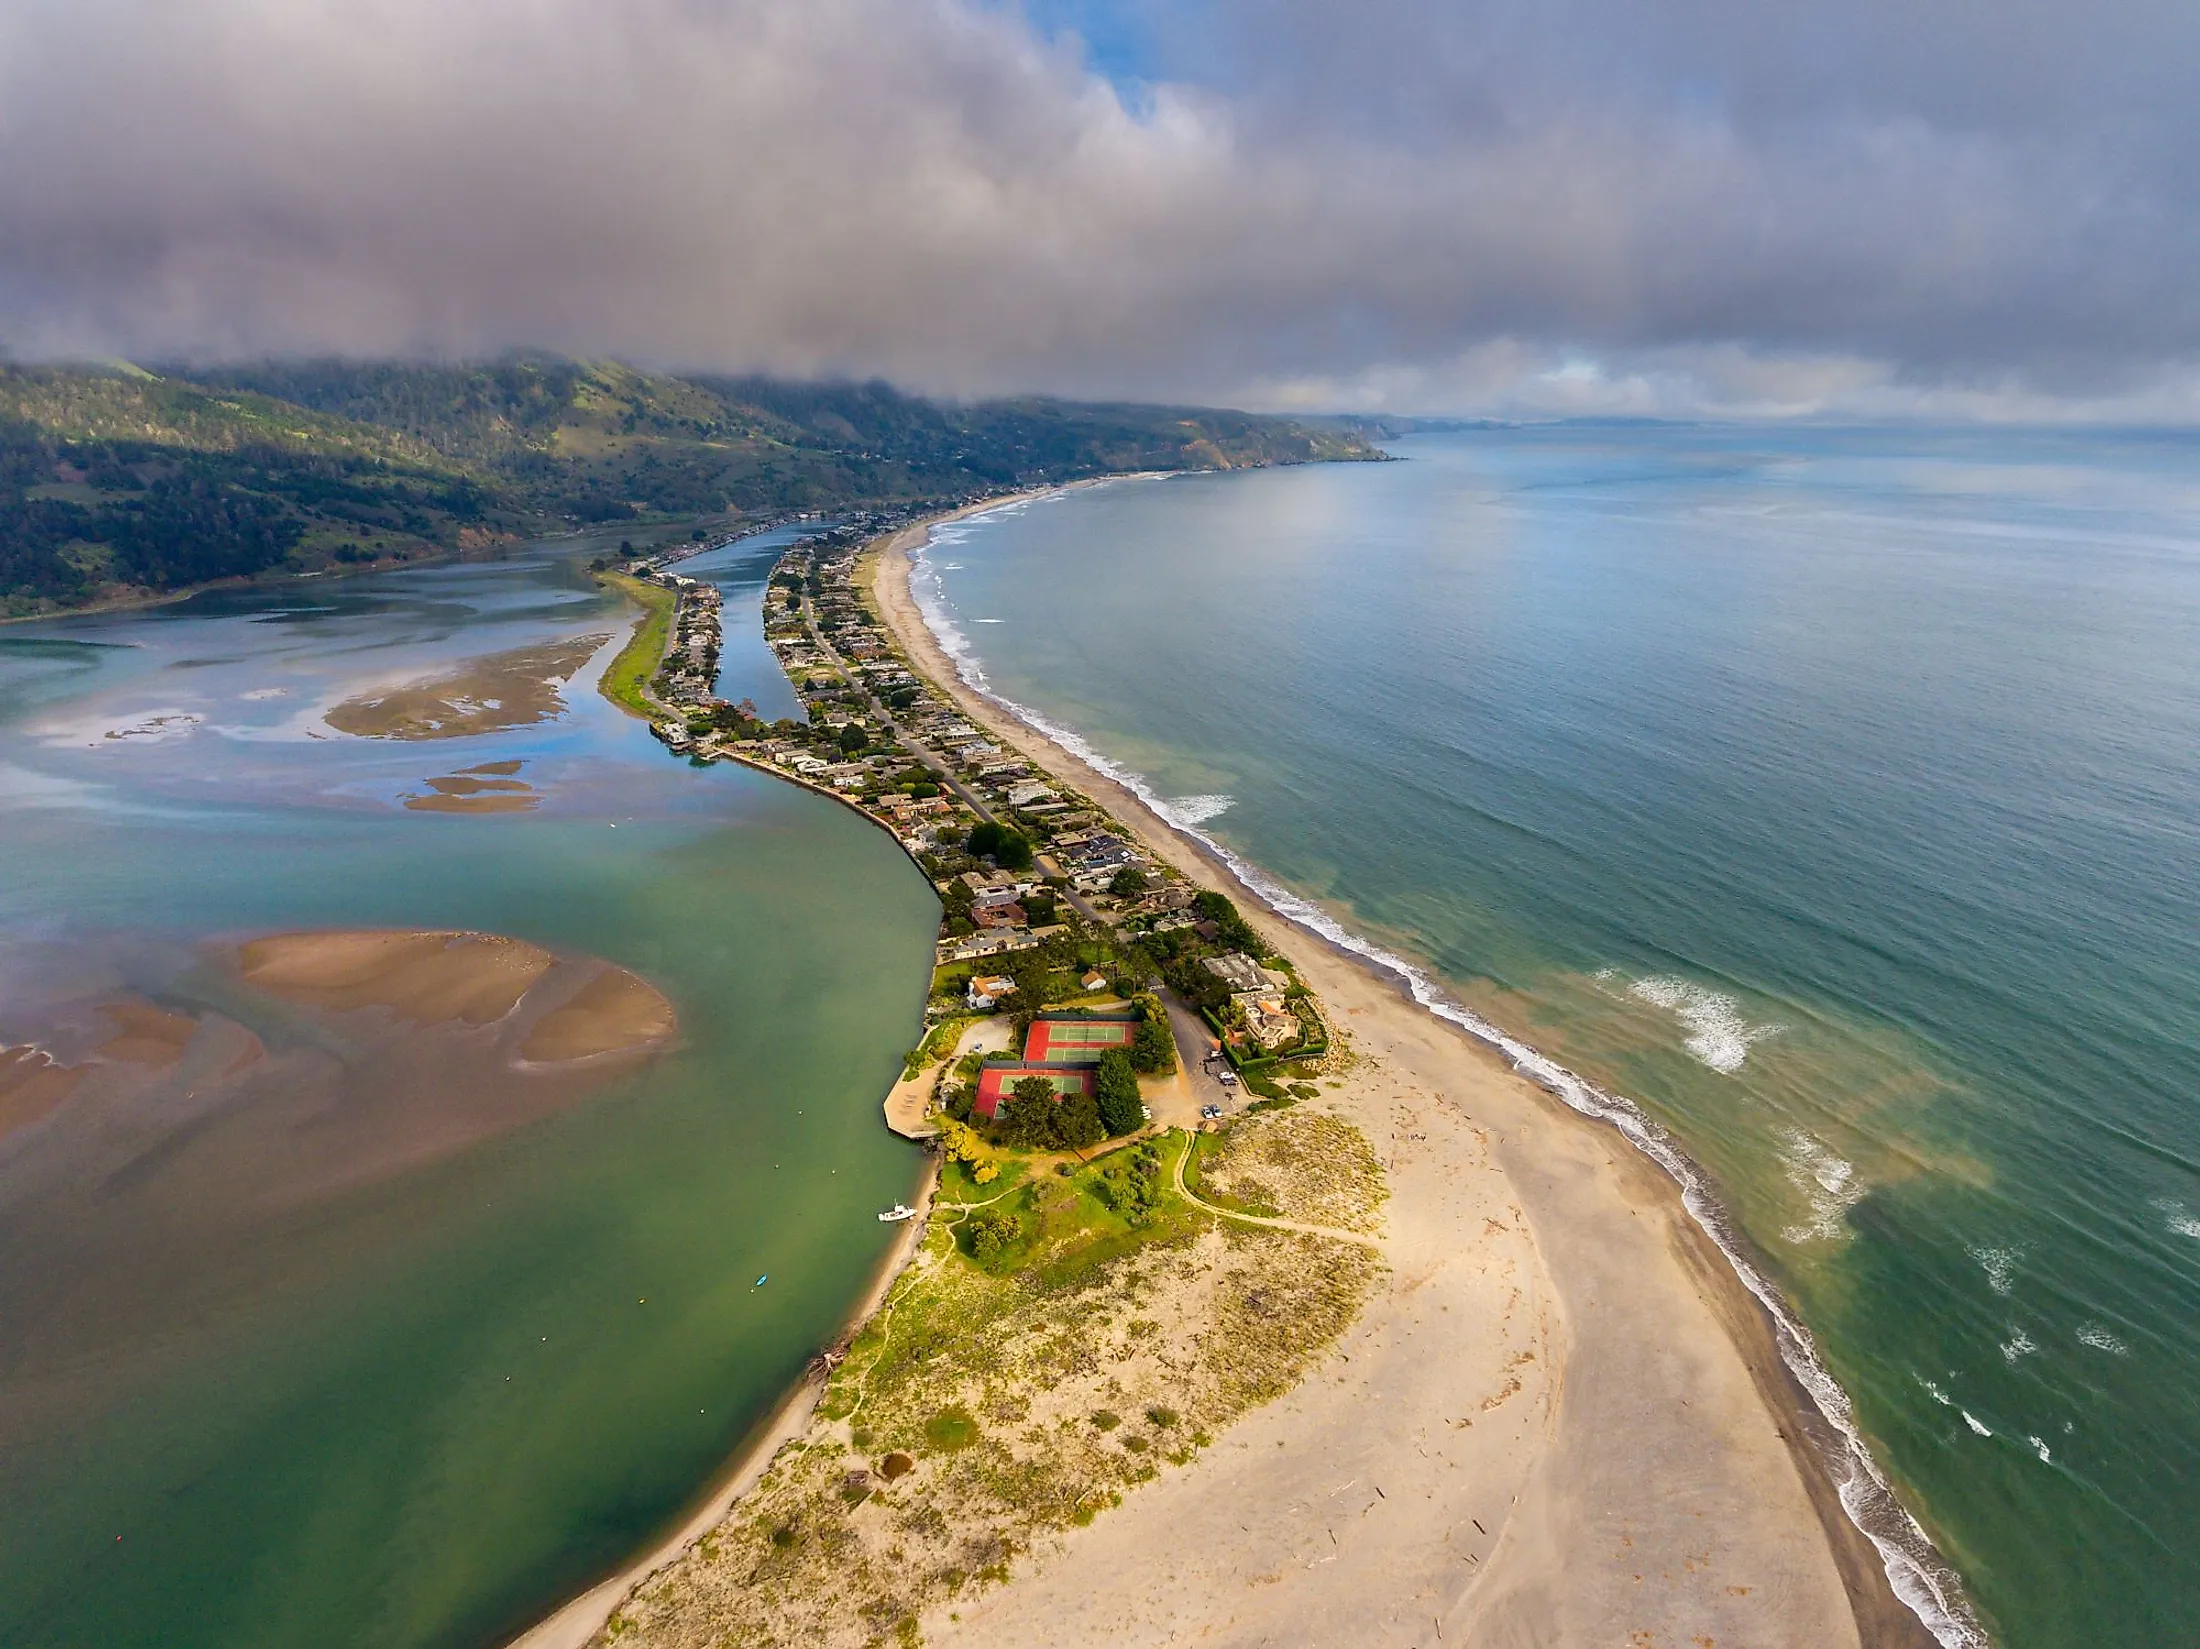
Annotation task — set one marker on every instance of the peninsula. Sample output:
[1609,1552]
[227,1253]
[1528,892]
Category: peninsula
[1251,1303]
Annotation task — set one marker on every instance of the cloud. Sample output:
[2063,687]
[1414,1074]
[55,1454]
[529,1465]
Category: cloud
[1793,206]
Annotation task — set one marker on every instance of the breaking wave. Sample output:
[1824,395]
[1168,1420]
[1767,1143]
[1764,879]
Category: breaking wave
[2000,1266]
[1829,1185]
[1916,1572]
[1718,1035]
[1196,810]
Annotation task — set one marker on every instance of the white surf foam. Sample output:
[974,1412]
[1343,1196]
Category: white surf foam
[1916,1572]
[1197,810]
[1829,1185]
[2019,1344]
[2099,1338]
[2000,1266]
[1718,1034]
[2179,1217]
[1975,1423]
[2039,1448]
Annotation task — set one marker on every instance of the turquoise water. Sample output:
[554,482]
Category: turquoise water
[1831,793]
[423,1409]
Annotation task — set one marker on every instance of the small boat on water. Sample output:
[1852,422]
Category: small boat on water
[900,1211]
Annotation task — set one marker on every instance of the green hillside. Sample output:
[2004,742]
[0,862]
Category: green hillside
[116,481]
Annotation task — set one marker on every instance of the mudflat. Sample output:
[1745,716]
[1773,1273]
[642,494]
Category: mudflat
[511,689]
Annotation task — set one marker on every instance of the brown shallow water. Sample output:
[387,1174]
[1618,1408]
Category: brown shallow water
[180,1143]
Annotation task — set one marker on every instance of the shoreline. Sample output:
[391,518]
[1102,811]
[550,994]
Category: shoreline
[1901,1590]
[576,1623]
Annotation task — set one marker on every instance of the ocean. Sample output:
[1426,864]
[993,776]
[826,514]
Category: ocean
[418,1400]
[1830,795]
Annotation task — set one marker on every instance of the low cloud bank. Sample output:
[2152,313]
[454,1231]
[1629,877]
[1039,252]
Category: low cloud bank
[1417,207]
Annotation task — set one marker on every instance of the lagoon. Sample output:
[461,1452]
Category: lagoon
[418,1402]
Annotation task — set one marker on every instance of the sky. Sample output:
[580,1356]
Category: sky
[1933,208]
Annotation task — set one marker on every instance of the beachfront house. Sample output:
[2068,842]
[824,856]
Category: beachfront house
[1240,972]
[1268,1020]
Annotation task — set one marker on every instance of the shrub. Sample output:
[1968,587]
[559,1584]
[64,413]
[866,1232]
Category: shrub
[951,1429]
[992,1234]
[1106,1419]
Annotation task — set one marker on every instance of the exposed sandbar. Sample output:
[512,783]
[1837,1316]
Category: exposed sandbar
[425,977]
[613,1013]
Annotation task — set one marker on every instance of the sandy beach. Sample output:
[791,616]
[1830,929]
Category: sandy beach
[1563,1421]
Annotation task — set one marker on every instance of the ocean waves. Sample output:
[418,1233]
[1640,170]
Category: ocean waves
[1716,1033]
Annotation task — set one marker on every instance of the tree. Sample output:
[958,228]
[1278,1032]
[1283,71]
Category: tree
[853,739]
[1128,883]
[1003,844]
[1116,1085]
[1235,933]
[1077,1122]
[1153,1046]
[1032,1088]
[992,1233]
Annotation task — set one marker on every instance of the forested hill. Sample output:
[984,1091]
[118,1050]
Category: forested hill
[115,479]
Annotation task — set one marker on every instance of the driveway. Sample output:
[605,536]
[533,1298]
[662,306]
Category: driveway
[1193,1043]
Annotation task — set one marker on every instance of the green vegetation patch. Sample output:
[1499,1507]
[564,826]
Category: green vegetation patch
[625,682]
[951,1429]
[1013,1390]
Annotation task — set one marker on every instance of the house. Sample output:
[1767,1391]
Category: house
[988,988]
[1030,793]
[1268,1021]
[994,942]
[997,1084]
[992,893]
[1094,981]
[1239,971]
[1009,915]
[1078,1039]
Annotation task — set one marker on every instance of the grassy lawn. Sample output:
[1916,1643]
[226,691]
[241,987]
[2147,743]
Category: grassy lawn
[623,683]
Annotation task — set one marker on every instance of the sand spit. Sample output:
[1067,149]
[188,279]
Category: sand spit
[1665,1491]
[500,690]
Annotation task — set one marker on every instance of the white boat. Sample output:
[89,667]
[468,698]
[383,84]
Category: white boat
[900,1211]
